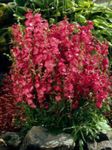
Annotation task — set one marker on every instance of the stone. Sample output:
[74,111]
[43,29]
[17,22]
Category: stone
[2,142]
[104,142]
[12,139]
[104,145]
[3,145]
[38,138]
[109,135]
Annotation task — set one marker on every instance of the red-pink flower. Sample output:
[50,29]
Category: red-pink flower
[55,62]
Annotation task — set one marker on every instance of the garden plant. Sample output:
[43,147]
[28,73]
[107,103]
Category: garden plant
[60,74]
[61,70]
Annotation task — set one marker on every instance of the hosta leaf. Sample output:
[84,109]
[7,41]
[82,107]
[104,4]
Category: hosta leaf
[38,2]
[100,22]
[20,11]
[84,3]
[69,4]
[80,18]
[21,2]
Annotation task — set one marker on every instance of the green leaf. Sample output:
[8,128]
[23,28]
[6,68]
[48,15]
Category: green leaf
[84,3]
[80,18]
[81,144]
[69,4]
[38,2]
[20,12]
[21,2]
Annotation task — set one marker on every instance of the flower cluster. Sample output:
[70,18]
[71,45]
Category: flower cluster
[63,62]
[9,111]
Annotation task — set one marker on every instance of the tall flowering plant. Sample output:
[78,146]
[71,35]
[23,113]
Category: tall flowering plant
[62,62]
[63,72]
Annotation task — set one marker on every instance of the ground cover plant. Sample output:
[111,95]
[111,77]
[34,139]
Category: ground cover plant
[61,70]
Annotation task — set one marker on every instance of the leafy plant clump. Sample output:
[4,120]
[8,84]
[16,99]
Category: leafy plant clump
[63,72]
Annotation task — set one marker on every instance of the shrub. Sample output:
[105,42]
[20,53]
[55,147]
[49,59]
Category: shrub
[63,72]
[61,62]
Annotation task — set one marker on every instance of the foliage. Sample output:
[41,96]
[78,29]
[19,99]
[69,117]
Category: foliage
[5,23]
[9,111]
[101,15]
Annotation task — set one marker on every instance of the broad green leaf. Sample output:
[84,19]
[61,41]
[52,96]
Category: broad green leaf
[80,18]
[83,3]
[21,2]
[20,12]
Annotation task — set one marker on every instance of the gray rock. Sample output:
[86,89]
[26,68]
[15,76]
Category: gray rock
[103,144]
[109,135]
[3,147]
[12,139]
[39,138]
